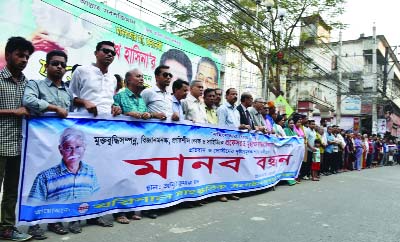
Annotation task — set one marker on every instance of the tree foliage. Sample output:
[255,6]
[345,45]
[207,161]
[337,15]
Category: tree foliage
[254,31]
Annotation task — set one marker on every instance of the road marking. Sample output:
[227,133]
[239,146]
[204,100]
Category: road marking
[181,230]
[269,204]
[257,219]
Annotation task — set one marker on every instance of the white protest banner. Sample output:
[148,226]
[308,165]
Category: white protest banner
[81,167]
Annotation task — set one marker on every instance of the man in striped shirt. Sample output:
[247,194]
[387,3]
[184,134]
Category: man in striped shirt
[70,180]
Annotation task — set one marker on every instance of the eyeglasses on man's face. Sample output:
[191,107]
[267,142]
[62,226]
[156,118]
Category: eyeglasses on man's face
[57,63]
[108,51]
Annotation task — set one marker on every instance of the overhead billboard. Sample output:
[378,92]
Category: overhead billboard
[76,26]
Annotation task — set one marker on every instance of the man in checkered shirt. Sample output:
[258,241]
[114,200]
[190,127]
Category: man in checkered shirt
[12,85]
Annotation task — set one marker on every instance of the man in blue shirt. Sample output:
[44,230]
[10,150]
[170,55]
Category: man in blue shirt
[330,151]
[180,90]
[50,94]
[228,115]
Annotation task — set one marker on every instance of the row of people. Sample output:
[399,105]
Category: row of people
[92,90]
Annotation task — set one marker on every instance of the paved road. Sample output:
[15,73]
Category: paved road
[352,206]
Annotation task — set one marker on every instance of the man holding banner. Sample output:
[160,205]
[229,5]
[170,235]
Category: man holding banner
[158,100]
[92,86]
[256,114]
[12,85]
[229,116]
[93,89]
[50,94]
[192,106]
[129,100]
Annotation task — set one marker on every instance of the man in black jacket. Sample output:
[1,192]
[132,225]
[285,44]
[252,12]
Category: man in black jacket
[246,101]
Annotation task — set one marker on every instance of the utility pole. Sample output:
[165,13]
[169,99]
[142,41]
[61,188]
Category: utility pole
[385,71]
[374,83]
[266,72]
[339,89]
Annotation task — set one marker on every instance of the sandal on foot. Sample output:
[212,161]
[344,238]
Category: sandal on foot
[57,228]
[122,220]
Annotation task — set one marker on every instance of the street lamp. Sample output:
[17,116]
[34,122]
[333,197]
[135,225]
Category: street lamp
[281,13]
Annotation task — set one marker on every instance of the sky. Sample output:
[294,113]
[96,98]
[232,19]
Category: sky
[361,14]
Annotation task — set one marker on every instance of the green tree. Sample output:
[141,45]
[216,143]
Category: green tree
[233,22]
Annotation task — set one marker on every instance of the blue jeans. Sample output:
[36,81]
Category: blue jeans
[384,159]
[357,163]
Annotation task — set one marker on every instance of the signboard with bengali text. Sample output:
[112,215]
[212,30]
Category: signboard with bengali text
[129,165]
[76,26]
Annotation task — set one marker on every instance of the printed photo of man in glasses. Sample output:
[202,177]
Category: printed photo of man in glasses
[72,179]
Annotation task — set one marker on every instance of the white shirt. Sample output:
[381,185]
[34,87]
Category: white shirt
[311,135]
[279,131]
[158,101]
[341,140]
[90,84]
[194,110]
[366,144]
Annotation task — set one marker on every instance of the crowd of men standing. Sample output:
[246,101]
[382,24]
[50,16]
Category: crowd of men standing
[94,90]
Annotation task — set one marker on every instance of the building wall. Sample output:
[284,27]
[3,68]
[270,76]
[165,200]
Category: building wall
[240,74]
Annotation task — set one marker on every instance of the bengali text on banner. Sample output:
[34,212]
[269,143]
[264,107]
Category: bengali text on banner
[82,167]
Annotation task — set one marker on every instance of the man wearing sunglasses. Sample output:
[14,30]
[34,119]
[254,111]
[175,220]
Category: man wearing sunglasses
[50,94]
[158,100]
[92,86]
[93,89]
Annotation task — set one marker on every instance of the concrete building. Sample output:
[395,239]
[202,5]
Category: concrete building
[315,90]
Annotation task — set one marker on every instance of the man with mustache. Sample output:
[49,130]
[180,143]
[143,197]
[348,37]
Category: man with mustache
[12,85]
[229,117]
[93,86]
[158,100]
[129,99]
[70,180]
